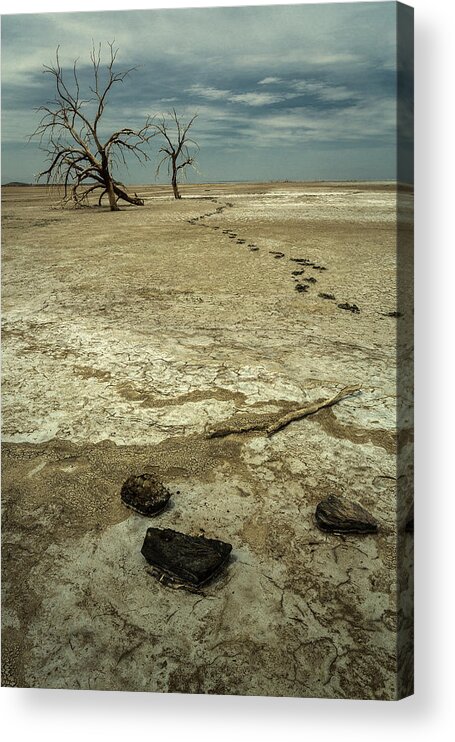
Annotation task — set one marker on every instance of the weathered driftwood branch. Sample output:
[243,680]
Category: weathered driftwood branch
[310,409]
[270,428]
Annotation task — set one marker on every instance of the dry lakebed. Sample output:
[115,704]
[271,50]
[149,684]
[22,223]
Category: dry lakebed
[129,338]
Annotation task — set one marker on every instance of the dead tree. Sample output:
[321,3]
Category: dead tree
[79,157]
[175,150]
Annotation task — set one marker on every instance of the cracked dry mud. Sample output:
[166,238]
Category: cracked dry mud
[126,337]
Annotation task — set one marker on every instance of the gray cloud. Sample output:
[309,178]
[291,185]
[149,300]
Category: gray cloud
[287,77]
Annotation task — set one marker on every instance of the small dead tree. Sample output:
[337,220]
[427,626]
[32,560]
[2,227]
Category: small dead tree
[175,150]
[70,131]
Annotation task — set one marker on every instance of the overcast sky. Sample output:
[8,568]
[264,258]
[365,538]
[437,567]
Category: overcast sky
[296,92]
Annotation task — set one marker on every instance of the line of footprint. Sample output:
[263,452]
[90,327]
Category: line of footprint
[302,284]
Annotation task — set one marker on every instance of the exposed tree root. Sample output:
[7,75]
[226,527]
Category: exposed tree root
[270,428]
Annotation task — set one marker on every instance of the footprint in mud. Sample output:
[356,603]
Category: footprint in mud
[310,279]
[319,267]
[349,307]
[327,296]
[392,314]
[241,242]
[253,248]
[297,273]
[276,253]
[232,236]
[302,261]
[301,288]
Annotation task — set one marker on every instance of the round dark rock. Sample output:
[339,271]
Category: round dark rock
[338,515]
[145,494]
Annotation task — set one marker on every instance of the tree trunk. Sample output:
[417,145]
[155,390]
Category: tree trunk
[111,194]
[174,179]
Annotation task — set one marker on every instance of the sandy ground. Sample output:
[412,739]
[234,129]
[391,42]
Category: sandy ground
[126,338]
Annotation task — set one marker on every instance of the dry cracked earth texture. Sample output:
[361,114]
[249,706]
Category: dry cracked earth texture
[127,337]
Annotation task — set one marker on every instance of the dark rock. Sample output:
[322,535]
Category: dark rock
[409,524]
[338,515]
[191,560]
[145,494]
[327,296]
[349,307]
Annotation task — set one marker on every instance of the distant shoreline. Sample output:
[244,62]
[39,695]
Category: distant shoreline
[19,184]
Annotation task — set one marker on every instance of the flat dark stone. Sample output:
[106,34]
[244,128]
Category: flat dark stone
[145,494]
[409,524]
[338,515]
[192,560]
